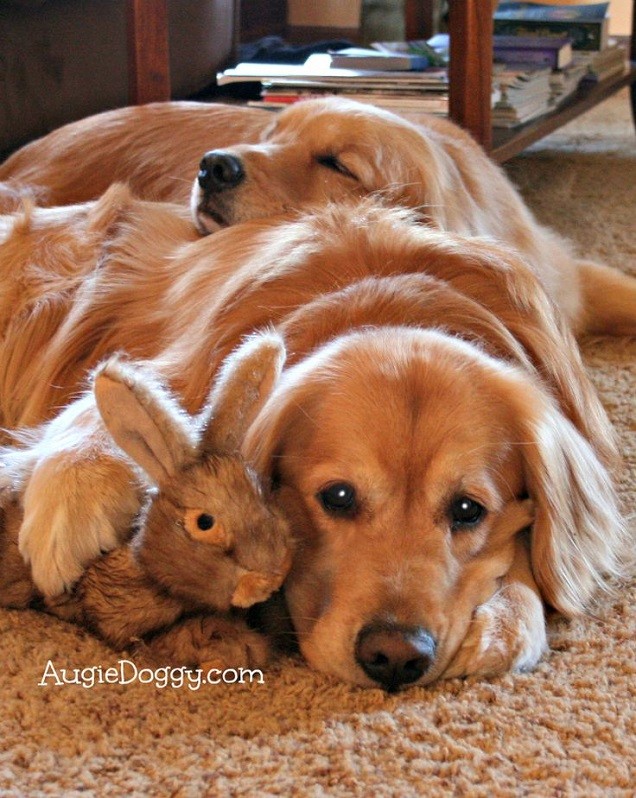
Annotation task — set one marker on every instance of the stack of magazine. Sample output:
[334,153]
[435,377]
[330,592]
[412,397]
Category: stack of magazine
[411,78]
[410,91]
[518,94]
[594,56]
[521,94]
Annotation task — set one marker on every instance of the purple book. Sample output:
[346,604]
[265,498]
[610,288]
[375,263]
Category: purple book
[550,51]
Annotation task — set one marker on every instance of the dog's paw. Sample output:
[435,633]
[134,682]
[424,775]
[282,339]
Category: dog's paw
[74,511]
[58,550]
[506,634]
[208,642]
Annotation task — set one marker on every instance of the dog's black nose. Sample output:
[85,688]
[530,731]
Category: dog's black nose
[394,655]
[220,170]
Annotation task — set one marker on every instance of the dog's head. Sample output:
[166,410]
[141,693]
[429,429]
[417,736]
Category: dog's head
[402,458]
[429,392]
[333,149]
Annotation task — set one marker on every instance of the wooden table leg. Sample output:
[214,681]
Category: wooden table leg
[419,19]
[470,68]
[632,57]
[148,53]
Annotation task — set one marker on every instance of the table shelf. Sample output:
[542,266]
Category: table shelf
[470,76]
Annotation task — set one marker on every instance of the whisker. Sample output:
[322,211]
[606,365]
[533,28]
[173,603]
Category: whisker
[177,179]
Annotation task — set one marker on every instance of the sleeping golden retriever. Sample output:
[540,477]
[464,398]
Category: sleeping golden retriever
[155,148]
[434,440]
[313,152]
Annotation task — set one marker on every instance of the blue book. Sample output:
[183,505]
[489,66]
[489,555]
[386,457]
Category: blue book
[374,60]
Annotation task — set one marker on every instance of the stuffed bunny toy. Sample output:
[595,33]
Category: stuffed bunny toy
[207,537]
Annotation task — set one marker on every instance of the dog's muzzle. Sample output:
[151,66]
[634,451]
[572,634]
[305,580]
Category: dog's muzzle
[220,171]
[394,655]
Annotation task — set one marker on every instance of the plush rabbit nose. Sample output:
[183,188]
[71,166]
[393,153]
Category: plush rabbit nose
[253,586]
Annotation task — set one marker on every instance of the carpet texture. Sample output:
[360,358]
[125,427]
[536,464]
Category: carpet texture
[568,729]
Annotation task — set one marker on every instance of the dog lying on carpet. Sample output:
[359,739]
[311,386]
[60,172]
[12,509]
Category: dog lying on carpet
[313,152]
[430,387]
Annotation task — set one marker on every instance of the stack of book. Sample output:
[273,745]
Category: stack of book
[572,40]
[410,91]
[542,54]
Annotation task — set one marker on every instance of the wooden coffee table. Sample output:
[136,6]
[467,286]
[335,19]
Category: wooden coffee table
[470,76]
[471,31]
[148,51]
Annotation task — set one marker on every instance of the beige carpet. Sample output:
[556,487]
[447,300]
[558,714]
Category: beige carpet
[568,729]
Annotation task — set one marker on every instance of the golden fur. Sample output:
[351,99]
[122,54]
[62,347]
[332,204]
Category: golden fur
[424,369]
[311,153]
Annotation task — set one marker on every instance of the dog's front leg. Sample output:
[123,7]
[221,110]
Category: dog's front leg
[508,632]
[79,496]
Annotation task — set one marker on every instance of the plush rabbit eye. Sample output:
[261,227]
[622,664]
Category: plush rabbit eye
[465,513]
[205,528]
[205,521]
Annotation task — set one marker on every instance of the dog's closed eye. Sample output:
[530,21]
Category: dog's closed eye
[332,162]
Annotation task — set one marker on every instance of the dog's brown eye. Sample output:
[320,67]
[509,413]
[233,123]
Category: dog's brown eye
[465,513]
[339,498]
[331,162]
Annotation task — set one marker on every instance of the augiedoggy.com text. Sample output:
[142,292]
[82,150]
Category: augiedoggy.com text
[127,672]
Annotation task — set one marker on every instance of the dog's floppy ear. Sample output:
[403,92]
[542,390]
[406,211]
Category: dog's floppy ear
[578,534]
[430,167]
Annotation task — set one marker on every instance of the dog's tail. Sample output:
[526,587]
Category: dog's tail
[609,300]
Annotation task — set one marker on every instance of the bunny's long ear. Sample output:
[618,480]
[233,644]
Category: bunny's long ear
[143,419]
[245,381]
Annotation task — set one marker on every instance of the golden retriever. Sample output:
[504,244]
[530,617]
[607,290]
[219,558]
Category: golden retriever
[155,148]
[313,152]
[434,440]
